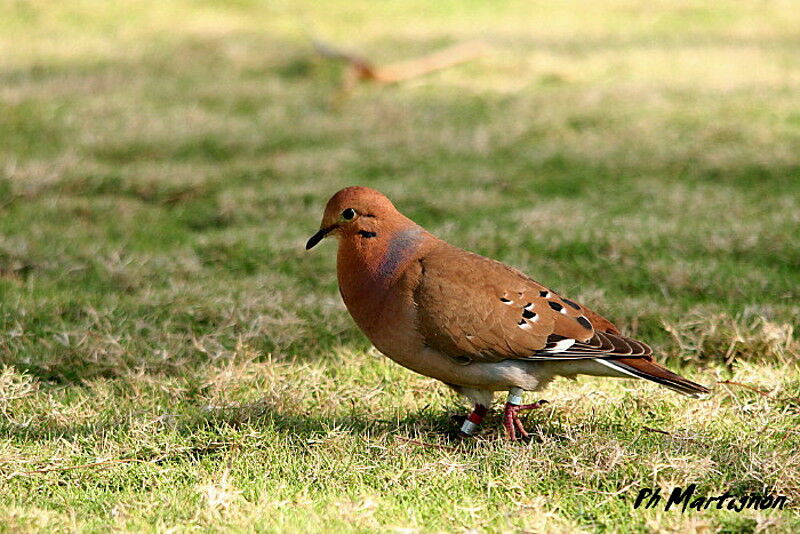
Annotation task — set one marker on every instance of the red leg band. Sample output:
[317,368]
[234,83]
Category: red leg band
[478,414]
[474,419]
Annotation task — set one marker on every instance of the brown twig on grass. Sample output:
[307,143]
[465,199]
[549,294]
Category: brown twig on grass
[751,388]
[364,70]
[361,69]
[423,444]
[649,429]
[213,446]
[793,400]
[80,466]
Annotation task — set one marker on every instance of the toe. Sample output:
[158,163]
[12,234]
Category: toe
[520,427]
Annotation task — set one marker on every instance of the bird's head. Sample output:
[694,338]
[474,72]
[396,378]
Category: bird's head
[358,213]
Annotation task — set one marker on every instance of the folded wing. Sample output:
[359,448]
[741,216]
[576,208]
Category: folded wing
[479,310]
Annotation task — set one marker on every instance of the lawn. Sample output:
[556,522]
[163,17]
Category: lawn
[171,359]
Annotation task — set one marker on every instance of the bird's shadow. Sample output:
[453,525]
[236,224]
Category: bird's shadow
[427,426]
[439,426]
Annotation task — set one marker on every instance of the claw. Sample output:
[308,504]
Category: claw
[512,422]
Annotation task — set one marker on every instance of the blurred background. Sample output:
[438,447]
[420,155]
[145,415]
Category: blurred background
[162,164]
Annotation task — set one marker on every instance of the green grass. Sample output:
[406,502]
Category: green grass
[162,163]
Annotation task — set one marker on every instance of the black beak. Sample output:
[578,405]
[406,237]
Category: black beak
[319,236]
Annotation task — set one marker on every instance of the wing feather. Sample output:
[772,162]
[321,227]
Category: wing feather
[471,306]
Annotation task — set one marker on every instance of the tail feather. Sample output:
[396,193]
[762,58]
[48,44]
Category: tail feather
[650,370]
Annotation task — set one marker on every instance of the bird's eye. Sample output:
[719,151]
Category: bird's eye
[348,214]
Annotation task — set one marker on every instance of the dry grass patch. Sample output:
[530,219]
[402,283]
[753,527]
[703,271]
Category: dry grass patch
[172,360]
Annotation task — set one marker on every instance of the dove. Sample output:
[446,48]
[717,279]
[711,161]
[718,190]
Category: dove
[475,324]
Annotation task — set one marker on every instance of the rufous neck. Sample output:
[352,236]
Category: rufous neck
[367,267]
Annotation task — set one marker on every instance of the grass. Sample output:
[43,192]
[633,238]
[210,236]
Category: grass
[173,359]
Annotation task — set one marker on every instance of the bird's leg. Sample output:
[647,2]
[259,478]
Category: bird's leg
[514,405]
[474,420]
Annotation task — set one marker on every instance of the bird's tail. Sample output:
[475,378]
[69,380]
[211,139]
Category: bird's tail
[650,370]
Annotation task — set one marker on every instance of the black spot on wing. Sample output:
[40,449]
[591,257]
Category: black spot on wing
[571,304]
[584,322]
[555,305]
[528,314]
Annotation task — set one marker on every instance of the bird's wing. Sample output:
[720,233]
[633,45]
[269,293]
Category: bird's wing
[472,307]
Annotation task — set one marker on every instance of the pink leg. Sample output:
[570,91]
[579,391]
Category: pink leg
[511,420]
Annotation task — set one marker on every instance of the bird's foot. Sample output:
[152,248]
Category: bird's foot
[511,420]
